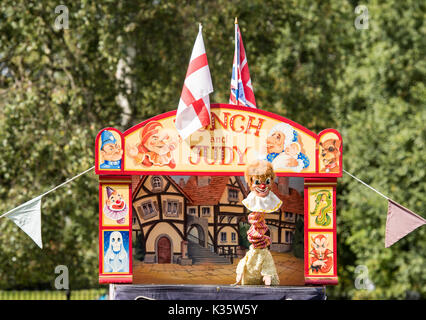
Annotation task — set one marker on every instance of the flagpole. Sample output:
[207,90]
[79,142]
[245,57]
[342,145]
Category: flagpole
[236,57]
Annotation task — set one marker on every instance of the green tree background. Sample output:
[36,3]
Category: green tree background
[307,62]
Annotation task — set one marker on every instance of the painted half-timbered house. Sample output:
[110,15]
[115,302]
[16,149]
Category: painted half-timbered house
[159,204]
[282,223]
[198,220]
[216,206]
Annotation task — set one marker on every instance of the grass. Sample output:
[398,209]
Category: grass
[90,294]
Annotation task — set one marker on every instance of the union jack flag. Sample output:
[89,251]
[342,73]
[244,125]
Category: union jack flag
[241,88]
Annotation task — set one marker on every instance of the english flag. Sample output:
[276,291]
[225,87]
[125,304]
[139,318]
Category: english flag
[241,88]
[194,105]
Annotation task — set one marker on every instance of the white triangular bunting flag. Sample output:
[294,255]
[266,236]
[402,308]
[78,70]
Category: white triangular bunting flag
[400,222]
[28,217]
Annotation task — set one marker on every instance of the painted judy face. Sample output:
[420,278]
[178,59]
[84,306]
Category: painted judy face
[275,143]
[115,202]
[261,186]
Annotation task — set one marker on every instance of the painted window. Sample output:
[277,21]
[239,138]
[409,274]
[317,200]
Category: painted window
[233,237]
[192,211]
[232,194]
[288,236]
[205,211]
[157,183]
[172,208]
[223,236]
[147,210]
[288,215]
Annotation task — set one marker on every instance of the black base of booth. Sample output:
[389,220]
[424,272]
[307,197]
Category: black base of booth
[211,292]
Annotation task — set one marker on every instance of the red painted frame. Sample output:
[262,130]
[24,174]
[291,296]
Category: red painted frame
[97,155]
[320,279]
[122,277]
[324,179]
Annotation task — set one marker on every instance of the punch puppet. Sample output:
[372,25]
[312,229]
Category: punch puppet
[258,267]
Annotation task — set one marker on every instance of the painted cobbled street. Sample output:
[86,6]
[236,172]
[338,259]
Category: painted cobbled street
[289,268]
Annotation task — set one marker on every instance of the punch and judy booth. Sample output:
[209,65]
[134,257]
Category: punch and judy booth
[170,209]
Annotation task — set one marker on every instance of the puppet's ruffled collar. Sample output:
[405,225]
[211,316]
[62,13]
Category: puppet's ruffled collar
[270,203]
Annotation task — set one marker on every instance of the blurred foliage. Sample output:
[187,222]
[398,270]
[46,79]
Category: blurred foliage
[307,62]
[380,103]
[298,244]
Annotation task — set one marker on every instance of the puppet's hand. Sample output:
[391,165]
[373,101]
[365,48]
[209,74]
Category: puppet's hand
[238,279]
[267,280]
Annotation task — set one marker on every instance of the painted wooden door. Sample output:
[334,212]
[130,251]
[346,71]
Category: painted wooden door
[164,250]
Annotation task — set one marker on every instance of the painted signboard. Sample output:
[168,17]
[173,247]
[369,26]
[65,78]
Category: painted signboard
[235,137]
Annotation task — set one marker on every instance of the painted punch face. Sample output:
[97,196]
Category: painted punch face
[159,143]
[261,186]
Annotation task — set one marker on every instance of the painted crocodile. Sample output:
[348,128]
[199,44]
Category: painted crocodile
[323,207]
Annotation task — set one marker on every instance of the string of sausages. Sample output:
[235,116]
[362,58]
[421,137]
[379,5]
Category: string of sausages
[256,234]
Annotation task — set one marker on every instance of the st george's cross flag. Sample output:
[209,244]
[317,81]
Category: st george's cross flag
[241,88]
[194,105]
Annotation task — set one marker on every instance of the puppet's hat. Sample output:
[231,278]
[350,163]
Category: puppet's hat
[109,191]
[149,130]
[107,137]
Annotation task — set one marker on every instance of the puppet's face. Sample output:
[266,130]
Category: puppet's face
[259,177]
[160,143]
[116,241]
[275,143]
[261,185]
[115,202]
[319,245]
[111,152]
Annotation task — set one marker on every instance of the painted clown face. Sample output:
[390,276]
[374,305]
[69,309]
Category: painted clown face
[111,152]
[160,143]
[319,245]
[275,142]
[115,202]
